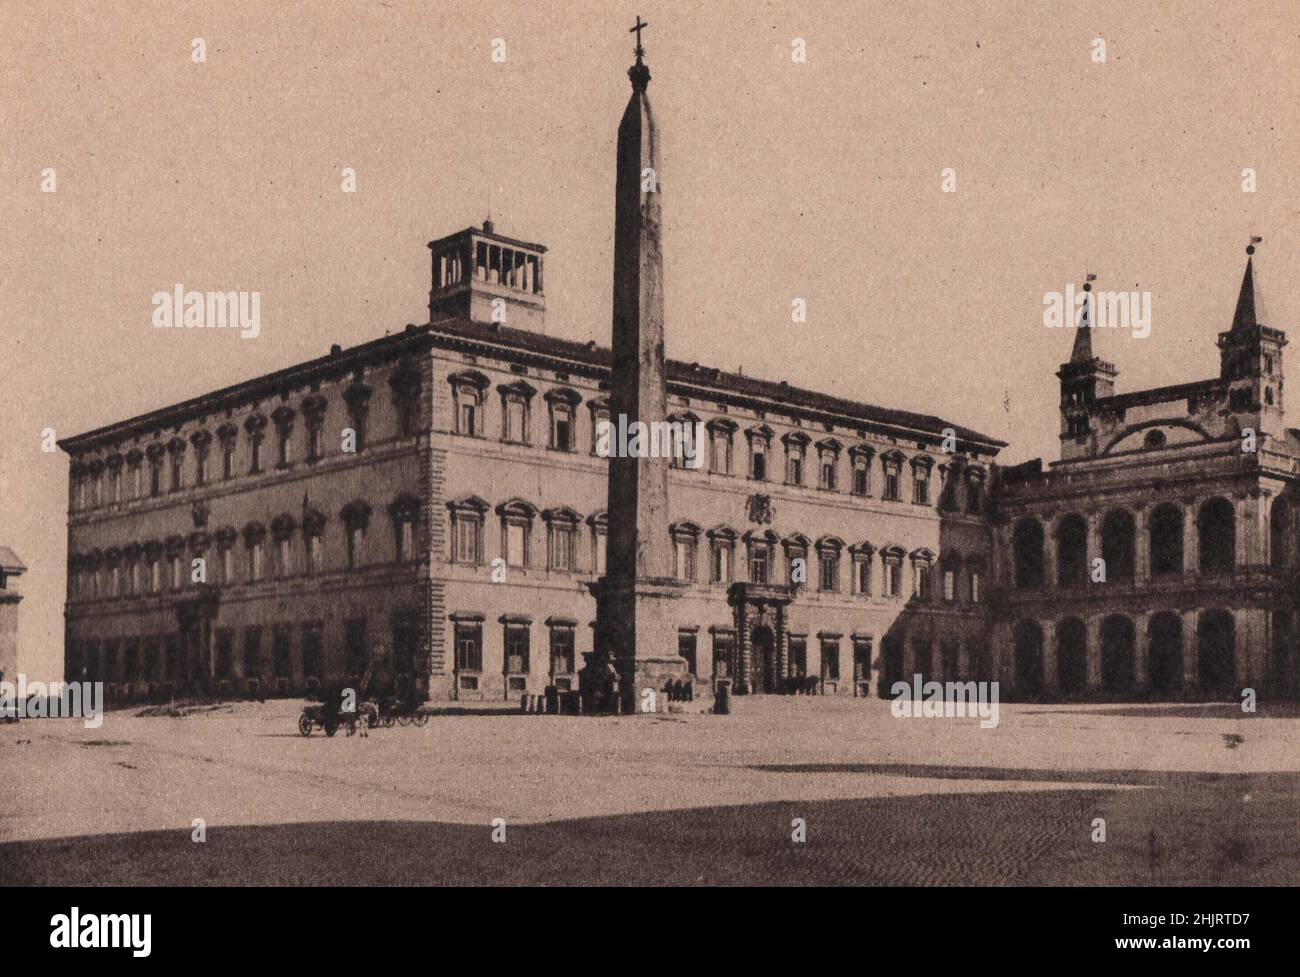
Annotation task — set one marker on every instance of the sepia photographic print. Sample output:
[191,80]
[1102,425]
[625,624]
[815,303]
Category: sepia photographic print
[426,464]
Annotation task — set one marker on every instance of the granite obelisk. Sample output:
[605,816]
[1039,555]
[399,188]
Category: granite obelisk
[636,634]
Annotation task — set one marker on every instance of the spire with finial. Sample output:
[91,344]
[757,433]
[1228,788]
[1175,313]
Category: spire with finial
[1082,351]
[1245,316]
[639,73]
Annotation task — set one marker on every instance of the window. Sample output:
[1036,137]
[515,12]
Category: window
[355,650]
[684,548]
[228,434]
[796,560]
[515,400]
[794,458]
[356,521]
[516,544]
[828,454]
[862,572]
[255,561]
[686,649]
[722,544]
[563,404]
[252,652]
[720,447]
[405,383]
[599,539]
[313,410]
[861,471]
[284,563]
[830,658]
[155,477]
[404,510]
[467,530]
[563,544]
[225,654]
[949,584]
[282,652]
[283,417]
[974,491]
[893,569]
[921,482]
[255,448]
[724,643]
[760,555]
[562,649]
[313,654]
[760,442]
[921,581]
[516,662]
[356,540]
[468,416]
[313,554]
[828,563]
[200,467]
[469,647]
[516,532]
[357,397]
[893,465]
[177,449]
[798,656]
[177,573]
[862,659]
[599,419]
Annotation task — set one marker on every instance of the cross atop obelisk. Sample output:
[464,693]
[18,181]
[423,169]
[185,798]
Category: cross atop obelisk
[637,29]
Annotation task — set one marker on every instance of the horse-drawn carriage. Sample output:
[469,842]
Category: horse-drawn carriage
[359,708]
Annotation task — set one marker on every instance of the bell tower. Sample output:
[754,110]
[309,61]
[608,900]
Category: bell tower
[1084,379]
[1250,361]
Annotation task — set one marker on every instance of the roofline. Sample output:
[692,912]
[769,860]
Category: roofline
[513,343]
[479,232]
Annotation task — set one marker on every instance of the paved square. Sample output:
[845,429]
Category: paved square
[1190,795]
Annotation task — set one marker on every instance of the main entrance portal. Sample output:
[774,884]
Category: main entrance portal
[762,650]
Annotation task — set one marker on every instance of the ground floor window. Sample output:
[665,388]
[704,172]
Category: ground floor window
[253,653]
[469,647]
[354,644]
[686,648]
[562,648]
[225,653]
[516,649]
[282,652]
[406,640]
[313,653]
[830,659]
[862,659]
[798,656]
[722,649]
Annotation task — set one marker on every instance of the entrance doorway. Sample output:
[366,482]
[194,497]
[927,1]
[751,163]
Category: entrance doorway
[763,643]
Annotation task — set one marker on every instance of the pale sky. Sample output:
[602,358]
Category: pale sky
[818,180]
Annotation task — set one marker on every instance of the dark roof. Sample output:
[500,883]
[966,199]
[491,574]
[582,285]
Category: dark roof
[1244,316]
[9,562]
[1157,395]
[597,358]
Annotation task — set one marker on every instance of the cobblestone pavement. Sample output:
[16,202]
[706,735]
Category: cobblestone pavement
[1188,794]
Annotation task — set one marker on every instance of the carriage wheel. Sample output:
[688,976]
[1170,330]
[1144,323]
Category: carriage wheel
[388,720]
[305,724]
[403,720]
[419,719]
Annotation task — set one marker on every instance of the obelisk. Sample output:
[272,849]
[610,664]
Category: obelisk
[636,632]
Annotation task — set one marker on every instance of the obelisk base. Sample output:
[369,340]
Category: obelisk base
[636,646]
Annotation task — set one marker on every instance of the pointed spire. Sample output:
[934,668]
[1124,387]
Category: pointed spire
[1082,352]
[1245,316]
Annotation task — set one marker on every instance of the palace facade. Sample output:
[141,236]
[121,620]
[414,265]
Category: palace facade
[433,501]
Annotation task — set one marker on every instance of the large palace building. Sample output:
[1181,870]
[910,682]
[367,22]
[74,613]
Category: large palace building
[434,501]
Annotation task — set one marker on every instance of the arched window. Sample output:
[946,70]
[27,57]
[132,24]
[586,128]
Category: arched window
[1217,532]
[1117,545]
[1166,526]
[1072,551]
[1027,543]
